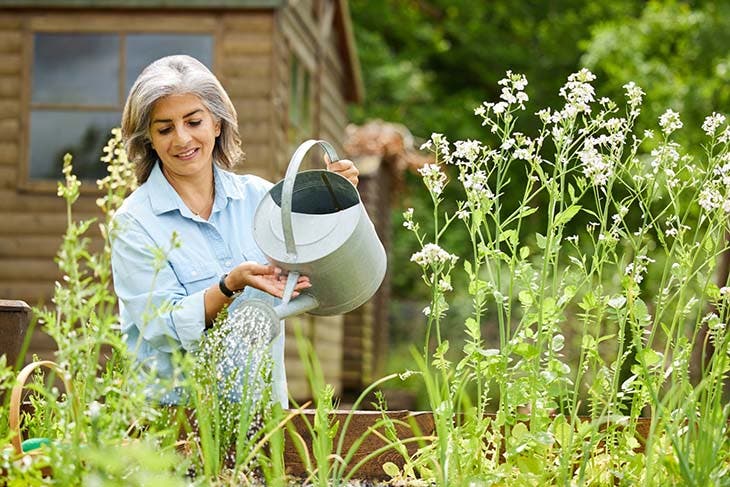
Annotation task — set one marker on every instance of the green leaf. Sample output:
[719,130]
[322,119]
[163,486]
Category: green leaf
[650,357]
[541,241]
[391,470]
[525,298]
[472,327]
[526,211]
[567,214]
[526,350]
[519,431]
[524,252]
[510,235]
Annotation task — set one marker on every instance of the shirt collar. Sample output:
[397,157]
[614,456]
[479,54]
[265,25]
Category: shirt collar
[164,198]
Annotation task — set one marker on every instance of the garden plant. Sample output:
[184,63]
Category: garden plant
[598,269]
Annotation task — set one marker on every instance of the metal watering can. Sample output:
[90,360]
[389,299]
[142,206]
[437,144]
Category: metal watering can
[313,223]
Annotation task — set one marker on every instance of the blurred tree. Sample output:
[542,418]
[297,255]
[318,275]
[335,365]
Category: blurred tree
[429,63]
[677,52]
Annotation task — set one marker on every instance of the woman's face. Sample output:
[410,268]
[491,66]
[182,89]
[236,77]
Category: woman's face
[183,134]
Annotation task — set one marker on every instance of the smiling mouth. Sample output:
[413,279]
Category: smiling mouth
[187,154]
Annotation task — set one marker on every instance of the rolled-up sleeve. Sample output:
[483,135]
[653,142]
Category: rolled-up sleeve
[151,297]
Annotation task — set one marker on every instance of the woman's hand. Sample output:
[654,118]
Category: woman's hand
[344,167]
[267,278]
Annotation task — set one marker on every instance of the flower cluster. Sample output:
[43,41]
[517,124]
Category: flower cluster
[434,179]
[513,93]
[669,121]
[597,167]
[437,144]
[432,254]
[408,220]
[716,194]
[712,123]
[466,152]
[579,93]
[637,269]
[120,179]
[634,95]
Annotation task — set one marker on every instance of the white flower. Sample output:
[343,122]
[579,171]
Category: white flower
[712,122]
[500,107]
[710,199]
[427,311]
[475,181]
[634,94]
[434,179]
[507,144]
[669,121]
[438,144]
[597,168]
[94,409]
[578,92]
[432,254]
[466,150]
[544,115]
[636,272]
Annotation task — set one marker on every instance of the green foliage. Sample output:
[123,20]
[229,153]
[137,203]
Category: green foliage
[429,63]
[677,52]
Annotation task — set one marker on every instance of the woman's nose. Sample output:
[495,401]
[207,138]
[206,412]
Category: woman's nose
[182,137]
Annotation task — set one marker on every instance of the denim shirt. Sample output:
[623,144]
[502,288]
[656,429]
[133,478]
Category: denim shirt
[208,248]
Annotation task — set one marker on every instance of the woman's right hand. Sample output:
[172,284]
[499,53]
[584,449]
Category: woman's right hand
[267,278]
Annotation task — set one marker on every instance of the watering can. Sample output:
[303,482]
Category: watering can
[313,223]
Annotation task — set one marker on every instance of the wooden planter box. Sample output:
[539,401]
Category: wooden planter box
[360,425]
[14,319]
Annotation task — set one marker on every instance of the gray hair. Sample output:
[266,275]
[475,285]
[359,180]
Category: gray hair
[177,75]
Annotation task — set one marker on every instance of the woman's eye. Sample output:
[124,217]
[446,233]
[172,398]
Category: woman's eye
[164,131]
[195,123]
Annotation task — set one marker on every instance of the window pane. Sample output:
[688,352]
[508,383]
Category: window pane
[83,134]
[142,49]
[76,69]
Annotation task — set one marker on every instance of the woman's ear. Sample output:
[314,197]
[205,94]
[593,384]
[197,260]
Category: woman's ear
[217,128]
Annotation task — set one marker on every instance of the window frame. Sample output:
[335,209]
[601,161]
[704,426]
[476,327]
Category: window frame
[68,23]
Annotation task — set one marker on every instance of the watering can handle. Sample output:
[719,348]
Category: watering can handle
[288,189]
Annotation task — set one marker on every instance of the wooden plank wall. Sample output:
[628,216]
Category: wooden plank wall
[252,54]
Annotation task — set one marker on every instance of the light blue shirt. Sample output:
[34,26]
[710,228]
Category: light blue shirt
[209,248]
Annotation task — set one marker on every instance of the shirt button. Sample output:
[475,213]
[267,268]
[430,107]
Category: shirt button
[194,273]
[229,263]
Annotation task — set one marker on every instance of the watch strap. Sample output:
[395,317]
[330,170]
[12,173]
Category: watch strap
[224,289]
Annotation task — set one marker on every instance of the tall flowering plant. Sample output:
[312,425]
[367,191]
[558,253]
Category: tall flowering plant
[601,281]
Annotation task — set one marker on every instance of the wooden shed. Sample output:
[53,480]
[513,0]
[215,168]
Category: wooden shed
[290,68]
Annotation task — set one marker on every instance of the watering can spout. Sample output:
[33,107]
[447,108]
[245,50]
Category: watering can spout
[300,304]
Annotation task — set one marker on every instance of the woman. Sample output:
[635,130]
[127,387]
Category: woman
[181,132]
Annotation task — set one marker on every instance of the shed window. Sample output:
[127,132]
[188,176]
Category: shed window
[78,88]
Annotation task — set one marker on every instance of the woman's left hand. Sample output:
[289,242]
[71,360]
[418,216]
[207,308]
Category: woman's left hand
[345,168]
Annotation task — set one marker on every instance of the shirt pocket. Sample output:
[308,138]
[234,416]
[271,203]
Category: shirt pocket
[195,276]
